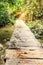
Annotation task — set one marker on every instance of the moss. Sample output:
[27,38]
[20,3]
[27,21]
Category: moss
[6,32]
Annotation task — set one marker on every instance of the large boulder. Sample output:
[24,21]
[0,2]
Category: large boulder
[22,36]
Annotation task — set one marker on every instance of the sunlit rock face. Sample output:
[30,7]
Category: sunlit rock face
[22,36]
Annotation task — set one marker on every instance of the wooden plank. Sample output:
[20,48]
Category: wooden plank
[24,62]
[25,54]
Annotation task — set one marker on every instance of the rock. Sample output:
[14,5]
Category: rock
[22,36]
[4,40]
[1,45]
[10,44]
[2,53]
[8,39]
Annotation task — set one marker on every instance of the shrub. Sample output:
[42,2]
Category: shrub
[5,17]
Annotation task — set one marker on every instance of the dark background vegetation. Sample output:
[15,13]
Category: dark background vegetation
[10,11]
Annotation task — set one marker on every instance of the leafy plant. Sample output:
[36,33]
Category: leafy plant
[5,17]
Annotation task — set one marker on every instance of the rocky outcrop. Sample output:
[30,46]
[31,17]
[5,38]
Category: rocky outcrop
[22,36]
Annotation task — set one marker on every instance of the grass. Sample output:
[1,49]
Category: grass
[5,33]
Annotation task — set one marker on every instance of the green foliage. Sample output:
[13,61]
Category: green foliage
[34,9]
[20,2]
[7,8]
[3,13]
[38,12]
[37,28]
[5,17]
[15,5]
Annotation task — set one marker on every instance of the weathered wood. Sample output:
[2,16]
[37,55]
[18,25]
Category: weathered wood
[25,54]
[24,62]
[24,57]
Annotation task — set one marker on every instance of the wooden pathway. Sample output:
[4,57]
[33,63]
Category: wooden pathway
[24,48]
